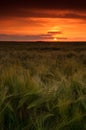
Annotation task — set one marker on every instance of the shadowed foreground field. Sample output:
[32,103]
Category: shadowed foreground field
[42,86]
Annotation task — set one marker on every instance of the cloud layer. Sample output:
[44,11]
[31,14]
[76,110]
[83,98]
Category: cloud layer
[43,8]
[44,4]
[49,36]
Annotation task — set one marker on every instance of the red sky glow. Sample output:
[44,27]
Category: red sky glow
[43,23]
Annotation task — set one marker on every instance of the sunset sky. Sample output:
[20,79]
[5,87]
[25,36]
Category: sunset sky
[43,20]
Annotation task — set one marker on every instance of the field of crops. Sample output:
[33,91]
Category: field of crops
[42,86]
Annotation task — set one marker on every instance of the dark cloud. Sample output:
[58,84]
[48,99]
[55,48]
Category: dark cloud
[38,37]
[54,32]
[40,13]
[44,4]
[41,8]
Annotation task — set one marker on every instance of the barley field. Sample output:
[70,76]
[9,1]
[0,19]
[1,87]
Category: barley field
[42,86]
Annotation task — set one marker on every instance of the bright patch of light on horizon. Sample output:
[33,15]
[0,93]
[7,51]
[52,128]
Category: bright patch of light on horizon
[55,39]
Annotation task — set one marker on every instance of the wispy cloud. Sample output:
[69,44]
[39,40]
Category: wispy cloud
[54,32]
[49,36]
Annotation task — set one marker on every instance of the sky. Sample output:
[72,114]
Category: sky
[43,20]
